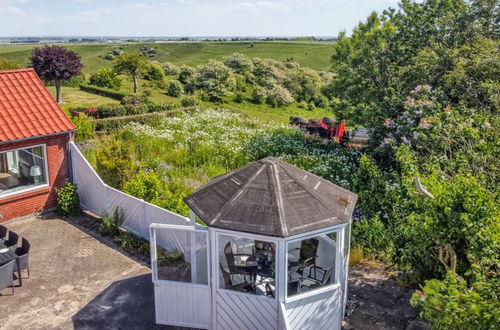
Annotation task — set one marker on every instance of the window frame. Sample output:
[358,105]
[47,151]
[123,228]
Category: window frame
[33,188]
[277,264]
[338,230]
[153,251]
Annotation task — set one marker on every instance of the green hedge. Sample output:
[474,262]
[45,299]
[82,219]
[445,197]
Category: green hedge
[112,124]
[103,91]
[107,111]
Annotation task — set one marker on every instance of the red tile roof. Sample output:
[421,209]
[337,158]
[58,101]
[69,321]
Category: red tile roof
[27,109]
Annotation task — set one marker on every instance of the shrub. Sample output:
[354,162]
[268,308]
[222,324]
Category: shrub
[109,57]
[278,97]
[107,78]
[371,234]
[147,186]
[451,303]
[239,63]
[215,79]
[189,101]
[134,100]
[68,201]
[174,88]
[185,74]
[8,65]
[258,95]
[103,91]
[170,69]
[84,128]
[239,98]
[111,225]
[154,72]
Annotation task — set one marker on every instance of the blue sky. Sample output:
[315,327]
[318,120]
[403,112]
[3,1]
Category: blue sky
[183,17]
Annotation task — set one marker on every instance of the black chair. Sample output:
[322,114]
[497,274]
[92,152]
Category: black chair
[308,253]
[13,239]
[318,277]
[23,254]
[228,282]
[3,233]
[7,275]
[236,268]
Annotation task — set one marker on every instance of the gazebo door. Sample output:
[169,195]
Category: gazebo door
[181,275]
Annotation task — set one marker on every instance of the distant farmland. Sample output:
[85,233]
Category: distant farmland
[315,55]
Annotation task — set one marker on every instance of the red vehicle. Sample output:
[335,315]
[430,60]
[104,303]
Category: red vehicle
[326,128]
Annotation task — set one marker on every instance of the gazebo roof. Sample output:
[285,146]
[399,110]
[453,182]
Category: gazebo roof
[273,198]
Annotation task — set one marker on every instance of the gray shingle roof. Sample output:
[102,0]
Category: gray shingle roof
[271,197]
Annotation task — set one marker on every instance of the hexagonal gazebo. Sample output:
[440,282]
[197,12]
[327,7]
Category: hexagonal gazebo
[273,253]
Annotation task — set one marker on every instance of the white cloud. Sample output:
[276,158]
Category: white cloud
[139,6]
[83,1]
[93,15]
[259,5]
[11,7]
[12,10]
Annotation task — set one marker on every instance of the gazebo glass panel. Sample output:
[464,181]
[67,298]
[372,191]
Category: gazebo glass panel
[181,255]
[311,263]
[247,265]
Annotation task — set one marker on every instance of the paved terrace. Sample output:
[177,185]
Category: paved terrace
[78,281]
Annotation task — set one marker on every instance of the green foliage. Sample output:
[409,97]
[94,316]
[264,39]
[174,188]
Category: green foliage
[174,88]
[68,201]
[147,186]
[8,65]
[371,234]
[154,72]
[258,95]
[170,69]
[103,91]
[131,64]
[278,96]
[84,128]
[303,83]
[106,78]
[238,98]
[451,303]
[215,79]
[189,101]
[185,74]
[239,63]
[110,226]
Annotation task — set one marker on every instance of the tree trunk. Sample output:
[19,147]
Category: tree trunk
[58,91]
[136,85]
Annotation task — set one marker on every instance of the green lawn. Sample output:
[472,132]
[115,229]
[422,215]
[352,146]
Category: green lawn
[75,98]
[315,55]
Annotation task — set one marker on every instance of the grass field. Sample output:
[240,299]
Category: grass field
[315,55]
[75,98]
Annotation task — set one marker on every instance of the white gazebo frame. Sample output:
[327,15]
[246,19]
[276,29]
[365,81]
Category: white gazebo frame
[209,306]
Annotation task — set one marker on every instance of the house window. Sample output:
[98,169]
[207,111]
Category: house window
[22,169]
[311,263]
[247,265]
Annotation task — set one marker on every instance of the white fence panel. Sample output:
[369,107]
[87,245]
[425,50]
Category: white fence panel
[101,199]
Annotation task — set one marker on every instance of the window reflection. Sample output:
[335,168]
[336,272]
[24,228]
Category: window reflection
[311,263]
[247,265]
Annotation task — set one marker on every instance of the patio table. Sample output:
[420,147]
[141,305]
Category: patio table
[8,256]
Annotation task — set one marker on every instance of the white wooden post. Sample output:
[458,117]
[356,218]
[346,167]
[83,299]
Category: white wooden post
[192,246]
[214,261]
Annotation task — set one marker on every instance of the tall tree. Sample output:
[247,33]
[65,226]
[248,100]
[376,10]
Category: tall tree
[56,63]
[131,64]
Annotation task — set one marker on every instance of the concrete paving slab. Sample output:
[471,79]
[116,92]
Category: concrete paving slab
[77,281]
